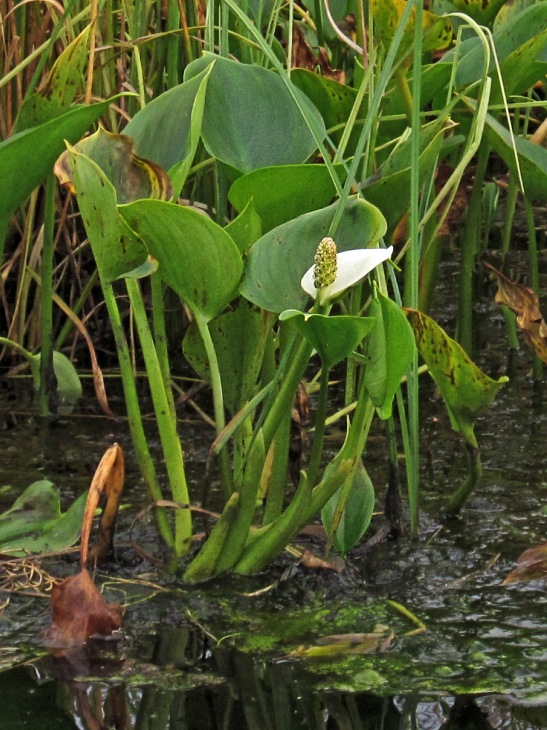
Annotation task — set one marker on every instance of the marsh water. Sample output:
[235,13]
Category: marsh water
[235,653]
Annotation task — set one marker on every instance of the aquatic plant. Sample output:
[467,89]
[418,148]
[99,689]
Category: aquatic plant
[358,174]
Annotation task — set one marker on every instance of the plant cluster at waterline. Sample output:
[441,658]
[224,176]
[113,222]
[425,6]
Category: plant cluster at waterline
[276,199]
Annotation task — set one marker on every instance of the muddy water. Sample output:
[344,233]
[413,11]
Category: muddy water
[233,654]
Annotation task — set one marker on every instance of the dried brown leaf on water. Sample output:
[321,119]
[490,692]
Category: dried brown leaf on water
[531,565]
[79,612]
[524,303]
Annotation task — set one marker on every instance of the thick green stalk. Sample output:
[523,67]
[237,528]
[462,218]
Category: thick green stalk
[171,445]
[319,432]
[47,375]
[473,478]
[138,436]
[255,461]
[218,401]
[160,339]
[278,478]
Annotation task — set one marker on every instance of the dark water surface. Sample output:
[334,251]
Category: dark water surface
[225,655]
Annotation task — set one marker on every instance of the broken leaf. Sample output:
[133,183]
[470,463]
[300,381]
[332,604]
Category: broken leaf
[524,303]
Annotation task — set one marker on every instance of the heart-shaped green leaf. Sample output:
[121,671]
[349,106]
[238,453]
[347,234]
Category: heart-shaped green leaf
[278,261]
[251,120]
[197,258]
[281,193]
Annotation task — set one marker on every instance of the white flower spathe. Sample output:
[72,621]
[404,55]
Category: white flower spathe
[352,267]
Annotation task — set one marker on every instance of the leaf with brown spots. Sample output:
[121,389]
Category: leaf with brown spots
[304,57]
[524,303]
[466,390]
[531,565]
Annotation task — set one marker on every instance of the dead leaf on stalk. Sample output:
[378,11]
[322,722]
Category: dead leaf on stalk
[78,610]
[524,303]
[374,642]
[108,479]
[531,565]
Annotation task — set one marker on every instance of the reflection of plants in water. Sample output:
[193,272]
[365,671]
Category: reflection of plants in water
[284,158]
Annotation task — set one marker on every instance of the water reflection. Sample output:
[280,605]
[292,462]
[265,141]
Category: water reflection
[180,683]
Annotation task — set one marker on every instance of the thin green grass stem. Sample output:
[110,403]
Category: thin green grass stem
[412,268]
[46,346]
[76,308]
[218,401]
[140,442]
[278,477]
[171,445]
[470,244]
[534,272]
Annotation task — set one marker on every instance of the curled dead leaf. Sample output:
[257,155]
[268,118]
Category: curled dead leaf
[524,303]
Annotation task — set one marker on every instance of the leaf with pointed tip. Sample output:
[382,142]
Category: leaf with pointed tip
[196,257]
[334,338]
[390,349]
[246,228]
[283,192]
[59,90]
[27,157]
[251,120]
[466,390]
[116,249]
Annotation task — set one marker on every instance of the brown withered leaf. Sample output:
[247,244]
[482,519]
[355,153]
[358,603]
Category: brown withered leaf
[108,479]
[524,303]
[79,612]
[531,565]
[304,57]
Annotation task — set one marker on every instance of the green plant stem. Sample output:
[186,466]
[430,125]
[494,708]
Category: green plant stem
[138,436]
[218,401]
[471,481]
[171,445]
[401,81]
[259,448]
[76,308]
[160,339]
[534,272]
[46,346]
[319,432]
[278,476]
[470,243]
